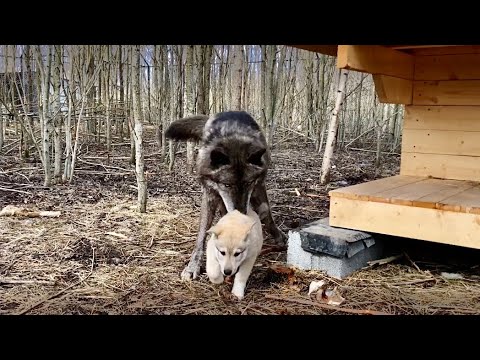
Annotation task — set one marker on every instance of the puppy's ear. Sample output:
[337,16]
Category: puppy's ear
[251,227]
[216,230]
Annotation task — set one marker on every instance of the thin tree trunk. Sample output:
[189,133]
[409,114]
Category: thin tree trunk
[45,118]
[190,103]
[122,92]
[138,131]
[332,130]
[108,130]
[57,172]
[1,132]
[166,104]
[237,70]
[208,51]
[68,126]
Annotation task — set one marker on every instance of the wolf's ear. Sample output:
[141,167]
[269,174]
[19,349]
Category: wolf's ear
[218,158]
[256,157]
[187,128]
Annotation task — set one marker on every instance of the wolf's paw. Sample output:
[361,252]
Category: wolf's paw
[190,272]
[280,238]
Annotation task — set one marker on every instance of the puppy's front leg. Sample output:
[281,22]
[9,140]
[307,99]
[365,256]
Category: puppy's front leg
[241,278]
[207,213]
[213,267]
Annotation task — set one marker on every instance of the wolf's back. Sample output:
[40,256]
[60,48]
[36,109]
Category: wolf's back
[187,128]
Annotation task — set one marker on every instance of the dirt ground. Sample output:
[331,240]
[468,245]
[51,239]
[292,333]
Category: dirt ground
[100,256]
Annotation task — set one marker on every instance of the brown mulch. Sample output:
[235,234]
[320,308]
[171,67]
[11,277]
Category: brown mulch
[101,256]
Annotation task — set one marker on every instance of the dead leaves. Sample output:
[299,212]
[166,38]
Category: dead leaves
[323,294]
[284,270]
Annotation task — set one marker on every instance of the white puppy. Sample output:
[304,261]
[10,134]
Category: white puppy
[234,245]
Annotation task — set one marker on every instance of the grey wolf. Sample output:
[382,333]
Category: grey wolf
[235,243]
[232,164]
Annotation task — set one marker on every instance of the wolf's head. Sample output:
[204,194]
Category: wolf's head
[230,236]
[233,157]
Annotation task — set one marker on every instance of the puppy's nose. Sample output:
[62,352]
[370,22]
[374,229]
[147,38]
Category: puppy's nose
[227,272]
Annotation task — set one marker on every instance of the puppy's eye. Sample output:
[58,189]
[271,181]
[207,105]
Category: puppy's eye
[226,185]
[222,252]
[237,253]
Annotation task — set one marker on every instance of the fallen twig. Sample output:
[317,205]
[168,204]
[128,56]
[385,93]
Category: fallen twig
[385,260]
[13,190]
[411,262]
[328,307]
[26,282]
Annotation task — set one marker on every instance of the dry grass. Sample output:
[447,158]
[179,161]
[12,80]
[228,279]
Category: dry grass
[106,258]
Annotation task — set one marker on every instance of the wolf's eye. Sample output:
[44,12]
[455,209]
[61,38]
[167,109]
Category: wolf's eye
[222,252]
[227,185]
[237,253]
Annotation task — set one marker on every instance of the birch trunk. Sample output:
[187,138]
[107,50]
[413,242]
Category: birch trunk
[57,120]
[166,104]
[138,132]
[190,103]
[332,130]
[68,125]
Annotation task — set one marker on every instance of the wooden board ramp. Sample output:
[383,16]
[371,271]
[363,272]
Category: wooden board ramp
[425,208]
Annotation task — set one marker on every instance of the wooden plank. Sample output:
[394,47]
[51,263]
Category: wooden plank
[451,188]
[393,90]
[447,67]
[464,143]
[322,49]
[467,201]
[408,47]
[408,194]
[375,59]
[461,229]
[460,118]
[453,92]
[441,166]
[448,50]
[366,189]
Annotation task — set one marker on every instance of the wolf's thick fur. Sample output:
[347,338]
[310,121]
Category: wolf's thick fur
[235,243]
[232,164]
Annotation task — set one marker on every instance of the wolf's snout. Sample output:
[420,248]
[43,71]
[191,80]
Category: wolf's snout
[227,272]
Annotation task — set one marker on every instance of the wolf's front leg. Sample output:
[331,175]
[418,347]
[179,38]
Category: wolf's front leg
[261,205]
[207,212]
[241,278]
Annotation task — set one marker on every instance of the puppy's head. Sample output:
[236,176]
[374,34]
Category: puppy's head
[230,237]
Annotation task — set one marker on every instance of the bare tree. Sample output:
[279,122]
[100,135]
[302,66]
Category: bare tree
[57,118]
[332,130]
[138,130]
[190,102]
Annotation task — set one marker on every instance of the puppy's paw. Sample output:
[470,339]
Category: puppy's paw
[239,291]
[216,279]
[190,273]
[239,294]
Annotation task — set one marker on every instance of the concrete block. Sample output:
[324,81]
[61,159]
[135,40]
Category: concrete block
[337,252]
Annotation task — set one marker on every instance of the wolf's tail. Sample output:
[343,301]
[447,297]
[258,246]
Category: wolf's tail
[187,128]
